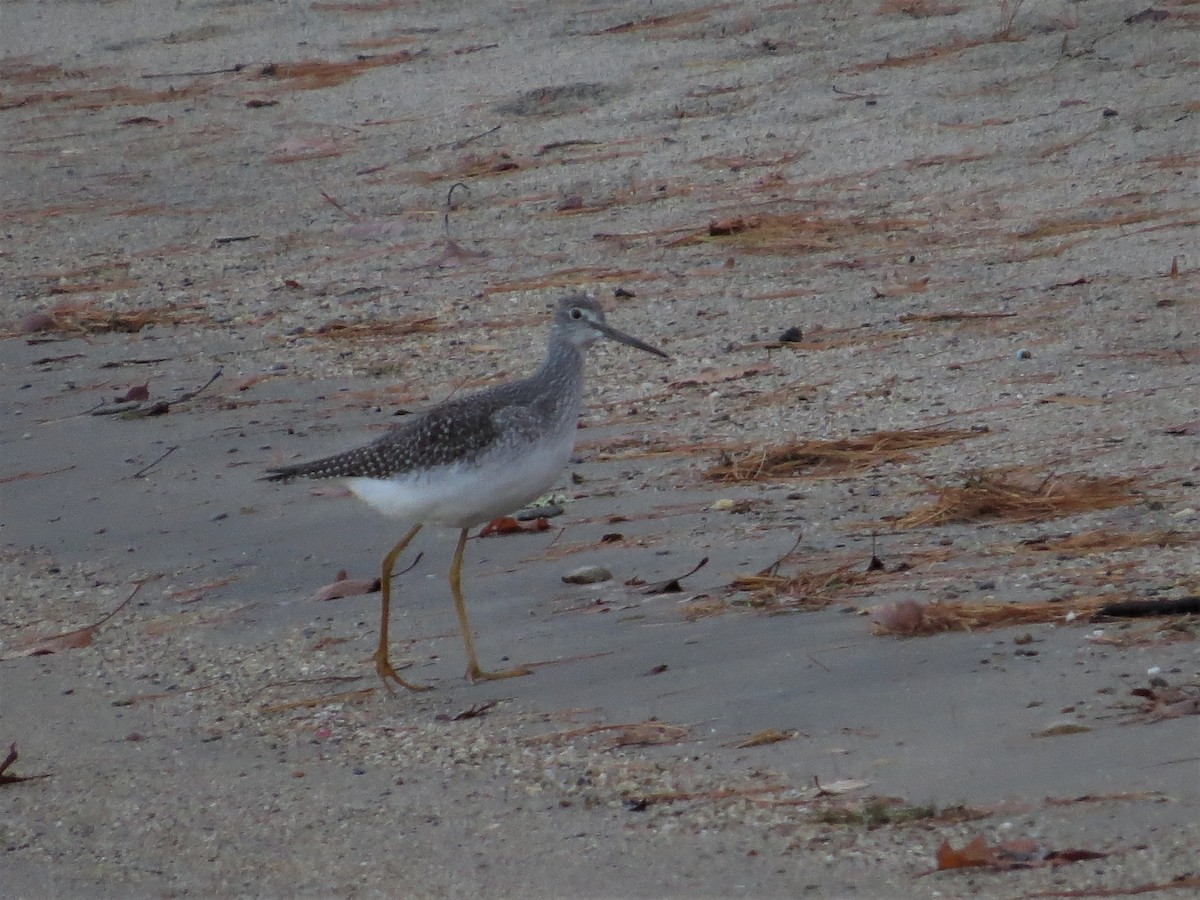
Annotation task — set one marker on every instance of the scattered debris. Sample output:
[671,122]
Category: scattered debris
[134,405]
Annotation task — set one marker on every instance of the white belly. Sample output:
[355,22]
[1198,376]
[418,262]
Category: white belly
[463,496]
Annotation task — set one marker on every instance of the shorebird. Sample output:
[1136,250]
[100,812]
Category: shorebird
[472,459]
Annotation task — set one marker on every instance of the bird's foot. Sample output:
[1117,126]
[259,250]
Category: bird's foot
[383,668]
[474,673]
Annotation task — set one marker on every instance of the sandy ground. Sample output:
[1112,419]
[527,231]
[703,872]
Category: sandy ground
[980,217]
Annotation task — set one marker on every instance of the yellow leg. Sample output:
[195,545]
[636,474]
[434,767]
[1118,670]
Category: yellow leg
[383,664]
[474,673]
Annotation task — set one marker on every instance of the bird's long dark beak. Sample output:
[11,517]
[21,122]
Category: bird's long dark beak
[621,337]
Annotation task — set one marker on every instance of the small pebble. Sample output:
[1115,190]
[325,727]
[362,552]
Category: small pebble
[1024,354]
[587,575]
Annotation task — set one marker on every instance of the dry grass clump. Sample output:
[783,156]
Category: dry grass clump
[90,317]
[1105,540]
[1002,496]
[802,590]
[909,617]
[343,329]
[816,458]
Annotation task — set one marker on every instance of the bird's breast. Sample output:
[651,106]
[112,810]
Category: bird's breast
[462,495]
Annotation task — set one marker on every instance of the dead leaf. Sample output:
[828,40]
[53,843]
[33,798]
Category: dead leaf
[346,587]
[976,853]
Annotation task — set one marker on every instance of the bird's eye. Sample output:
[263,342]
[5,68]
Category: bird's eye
[576,312]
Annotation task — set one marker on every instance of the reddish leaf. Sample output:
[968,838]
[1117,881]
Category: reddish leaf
[976,853]
[503,525]
[509,525]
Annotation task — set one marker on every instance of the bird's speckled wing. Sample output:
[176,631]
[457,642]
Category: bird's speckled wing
[460,430]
